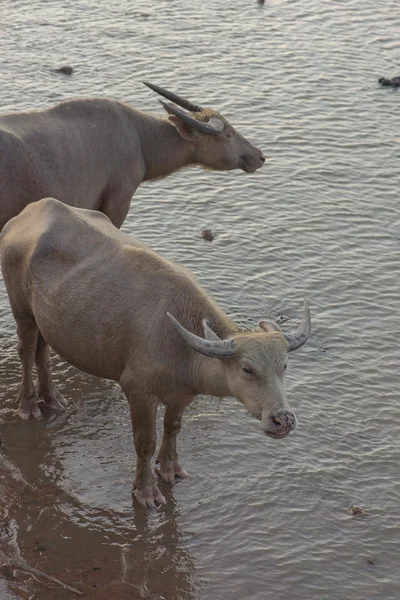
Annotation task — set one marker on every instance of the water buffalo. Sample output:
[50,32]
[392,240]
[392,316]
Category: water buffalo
[112,307]
[94,153]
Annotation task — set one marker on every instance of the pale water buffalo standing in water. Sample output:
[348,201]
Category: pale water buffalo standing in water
[111,306]
[95,153]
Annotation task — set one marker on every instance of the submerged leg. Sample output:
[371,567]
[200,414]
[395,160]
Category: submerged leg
[170,466]
[27,342]
[143,416]
[47,390]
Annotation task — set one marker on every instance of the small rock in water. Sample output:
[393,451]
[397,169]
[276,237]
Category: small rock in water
[65,70]
[208,235]
[357,510]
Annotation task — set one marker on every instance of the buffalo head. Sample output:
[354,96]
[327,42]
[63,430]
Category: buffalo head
[217,144]
[254,365]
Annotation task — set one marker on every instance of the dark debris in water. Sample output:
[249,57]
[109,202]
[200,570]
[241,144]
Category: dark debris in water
[357,510]
[371,562]
[208,235]
[394,82]
[64,70]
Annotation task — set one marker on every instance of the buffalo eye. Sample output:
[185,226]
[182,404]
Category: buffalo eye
[247,370]
[230,133]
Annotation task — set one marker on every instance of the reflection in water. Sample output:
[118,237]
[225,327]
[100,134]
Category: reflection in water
[158,564]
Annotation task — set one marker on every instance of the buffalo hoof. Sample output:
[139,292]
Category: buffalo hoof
[29,407]
[170,470]
[150,496]
[54,400]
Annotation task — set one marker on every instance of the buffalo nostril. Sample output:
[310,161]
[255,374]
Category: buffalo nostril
[283,420]
[262,158]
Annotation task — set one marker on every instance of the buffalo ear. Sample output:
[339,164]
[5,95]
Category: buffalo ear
[184,130]
[270,326]
[209,334]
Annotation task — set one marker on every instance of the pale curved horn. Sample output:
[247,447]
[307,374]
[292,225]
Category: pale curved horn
[298,338]
[209,333]
[216,349]
[174,98]
[213,127]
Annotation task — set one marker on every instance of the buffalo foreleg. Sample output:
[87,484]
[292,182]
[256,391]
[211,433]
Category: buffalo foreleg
[47,390]
[116,206]
[143,416]
[170,466]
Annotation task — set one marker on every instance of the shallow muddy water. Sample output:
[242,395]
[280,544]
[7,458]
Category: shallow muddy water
[258,518]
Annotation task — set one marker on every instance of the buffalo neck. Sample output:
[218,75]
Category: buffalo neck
[164,150]
[209,376]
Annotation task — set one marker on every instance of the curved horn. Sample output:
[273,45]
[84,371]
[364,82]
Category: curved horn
[209,333]
[298,338]
[207,128]
[174,98]
[216,349]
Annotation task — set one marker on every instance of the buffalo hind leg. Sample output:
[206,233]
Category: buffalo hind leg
[47,390]
[143,416]
[170,466]
[27,341]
